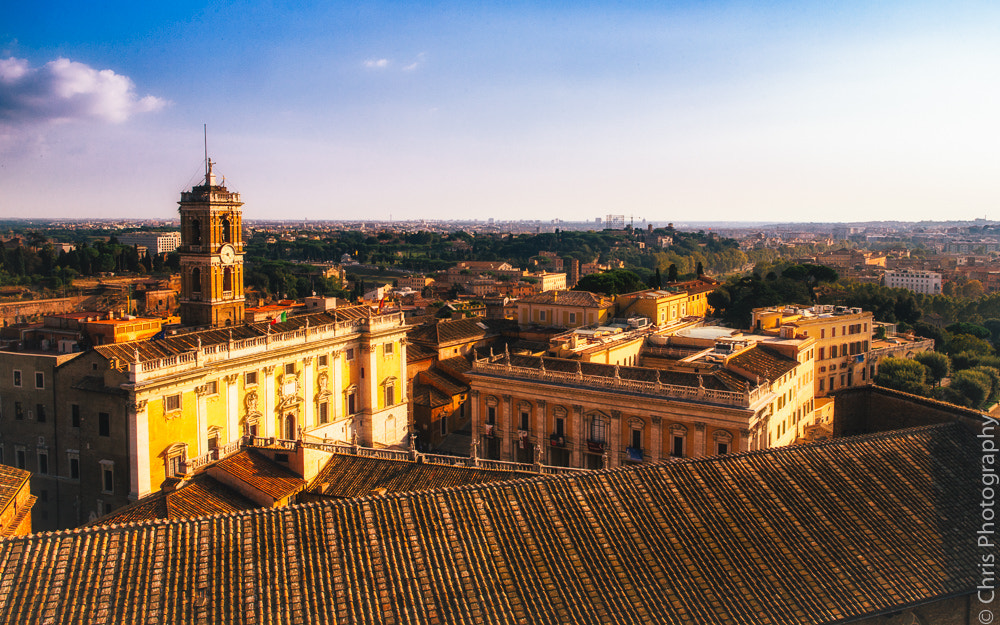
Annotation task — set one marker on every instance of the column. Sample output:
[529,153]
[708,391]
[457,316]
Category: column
[477,426]
[744,444]
[614,441]
[138,441]
[505,424]
[232,407]
[201,412]
[336,385]
[656,433]
[404,397]
[579,437]
[269,417]
[308,393]
[369,395]
[539,424]
[698,445]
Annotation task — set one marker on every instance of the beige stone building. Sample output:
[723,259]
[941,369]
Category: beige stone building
[733,397]
[843,340]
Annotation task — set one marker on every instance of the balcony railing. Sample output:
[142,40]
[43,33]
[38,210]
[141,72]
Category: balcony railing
[491,366]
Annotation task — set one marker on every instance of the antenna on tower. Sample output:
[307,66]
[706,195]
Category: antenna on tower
[206,152]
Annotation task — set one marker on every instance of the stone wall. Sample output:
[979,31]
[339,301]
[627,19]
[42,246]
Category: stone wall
[867,409]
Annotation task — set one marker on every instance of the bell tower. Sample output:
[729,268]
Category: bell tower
[211,254]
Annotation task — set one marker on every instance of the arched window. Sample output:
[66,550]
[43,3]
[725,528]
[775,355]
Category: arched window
[195,232]
[227,279]
[290,433]
[196,280]
[227,230]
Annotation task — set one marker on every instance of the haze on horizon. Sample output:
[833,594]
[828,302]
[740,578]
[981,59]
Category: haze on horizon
[718,111]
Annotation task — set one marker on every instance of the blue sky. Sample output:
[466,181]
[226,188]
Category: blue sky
[785,111]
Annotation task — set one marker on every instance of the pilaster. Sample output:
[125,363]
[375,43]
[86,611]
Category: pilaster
[308,389]
[269,415]
[698,444]
[656,434]
[614,441]
[578,438]
[232,407]
[138,433]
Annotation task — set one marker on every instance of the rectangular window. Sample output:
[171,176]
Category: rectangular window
[525,418]
[444,425]
[323,413]
[349,354]
[17,378]
[21,458]
[491,415]
[678,451]
[390,394]
[104,424]
[107,477]
[74,410]
[541,315]
[43,462]
[723,449]
[39,379]
[822,353]
[833,351]
[212,388]
[172,403]
[250,378]
[322,361]
[388,349]
[821,384]
[174,465]
[598,430]
[351,400]
[572,317]
[832,378]
[18,410]
[74,468]
[290,368]
[560,426]
[40,412]
[822,334]
[636,439]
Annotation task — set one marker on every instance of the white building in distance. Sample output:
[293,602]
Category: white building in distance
[926,282]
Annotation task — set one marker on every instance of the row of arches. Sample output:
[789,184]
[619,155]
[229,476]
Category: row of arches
[227,232]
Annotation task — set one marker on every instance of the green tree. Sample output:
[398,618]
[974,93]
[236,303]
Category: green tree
[973,386]
[938,365]
[672,273]
[968,343]
[614,282]
[902,374]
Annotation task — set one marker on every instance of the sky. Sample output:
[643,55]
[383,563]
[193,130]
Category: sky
[660,111]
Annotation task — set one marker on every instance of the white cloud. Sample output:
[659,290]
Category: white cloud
[377,63]
[419,61]
[65,90]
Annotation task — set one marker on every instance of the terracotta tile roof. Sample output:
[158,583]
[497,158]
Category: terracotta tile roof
[768,364]
[416,352]
[200,496]
[354,476]
[818,533]
[11,481]
[152,349]
[254,469]
[569,298]
[455,330]
[456,366]
[442,382]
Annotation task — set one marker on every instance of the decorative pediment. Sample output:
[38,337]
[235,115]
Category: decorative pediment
[250,405]
[289,392]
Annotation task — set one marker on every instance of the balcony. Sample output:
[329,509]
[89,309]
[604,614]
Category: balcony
[557,440]
[489,430]
[633,454]
[595,447]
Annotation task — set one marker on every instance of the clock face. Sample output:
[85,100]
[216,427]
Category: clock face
[227,255]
